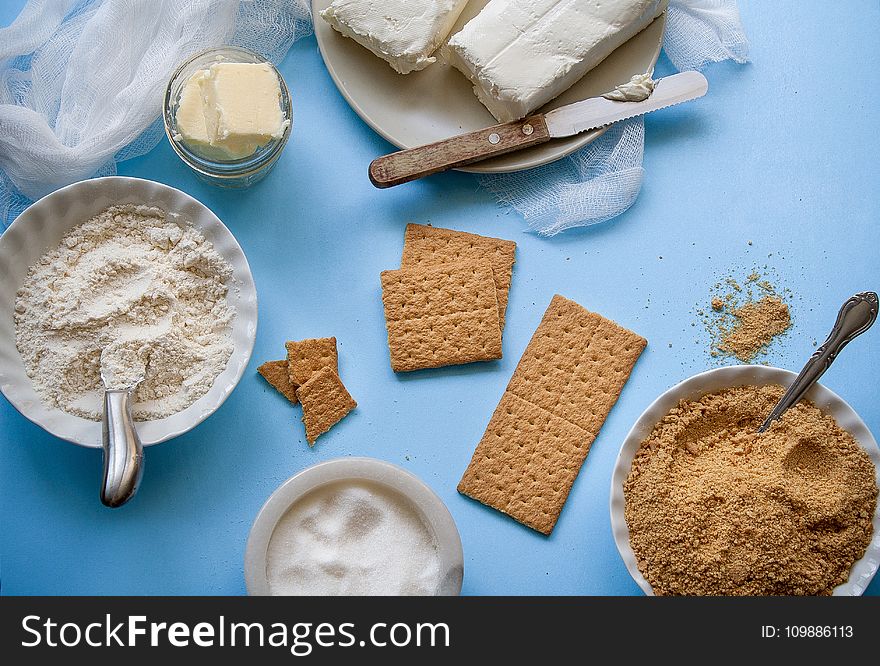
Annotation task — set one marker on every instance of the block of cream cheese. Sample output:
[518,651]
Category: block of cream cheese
[403,32]
[231,109]
[520,54]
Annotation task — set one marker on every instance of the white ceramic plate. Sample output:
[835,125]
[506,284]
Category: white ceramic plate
[433,512]
[439,102]
[713,380]
[41,228]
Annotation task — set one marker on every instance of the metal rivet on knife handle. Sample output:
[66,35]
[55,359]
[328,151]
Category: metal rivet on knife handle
[407,165]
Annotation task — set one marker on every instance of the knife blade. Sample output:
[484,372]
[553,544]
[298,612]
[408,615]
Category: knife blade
[413,163]
[597,112]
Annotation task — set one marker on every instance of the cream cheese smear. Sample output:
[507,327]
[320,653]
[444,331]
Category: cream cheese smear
[637,89]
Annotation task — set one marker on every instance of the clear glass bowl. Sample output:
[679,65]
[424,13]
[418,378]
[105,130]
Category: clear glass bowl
[238,173]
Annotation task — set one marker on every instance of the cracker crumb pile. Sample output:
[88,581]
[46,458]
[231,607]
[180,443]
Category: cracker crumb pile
[745,319]
[755,326]
[713,508]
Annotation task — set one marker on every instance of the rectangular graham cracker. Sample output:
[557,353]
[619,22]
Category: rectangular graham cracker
[429,246]
[306,357]
[325,401]
[275,372]
[441,315]
[563,388]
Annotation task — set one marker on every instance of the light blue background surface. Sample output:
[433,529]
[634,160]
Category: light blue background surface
[783,152]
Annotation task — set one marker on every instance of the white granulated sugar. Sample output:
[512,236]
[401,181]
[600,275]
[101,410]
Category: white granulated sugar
[150,291]
[352,538]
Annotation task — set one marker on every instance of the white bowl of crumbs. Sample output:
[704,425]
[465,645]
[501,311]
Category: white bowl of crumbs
[131,266]
[354,527]
[702,505]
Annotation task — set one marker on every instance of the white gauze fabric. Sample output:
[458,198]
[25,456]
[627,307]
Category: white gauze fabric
[82,81]
[603,179]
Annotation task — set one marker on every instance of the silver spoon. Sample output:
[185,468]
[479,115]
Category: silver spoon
[856,316]
[123,451]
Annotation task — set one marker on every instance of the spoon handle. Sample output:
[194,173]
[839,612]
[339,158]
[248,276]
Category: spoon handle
[855,317]
[123,452]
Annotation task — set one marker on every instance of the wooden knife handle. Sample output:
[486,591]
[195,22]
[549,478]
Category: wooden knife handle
[413,163]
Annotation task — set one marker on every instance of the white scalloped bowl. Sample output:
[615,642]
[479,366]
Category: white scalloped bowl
[41,227]
[740,375]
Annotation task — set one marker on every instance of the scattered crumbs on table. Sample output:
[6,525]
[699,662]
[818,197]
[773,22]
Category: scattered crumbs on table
[745,316]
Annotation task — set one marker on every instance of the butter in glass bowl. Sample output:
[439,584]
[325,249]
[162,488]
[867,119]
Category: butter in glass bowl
[228,115]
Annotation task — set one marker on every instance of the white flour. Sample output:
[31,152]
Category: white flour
[352,538]
[150,291]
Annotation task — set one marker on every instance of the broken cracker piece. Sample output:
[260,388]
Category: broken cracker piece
[431,246]
[441,315]
[276,373]
[563,388]
[325,401]
[306,357]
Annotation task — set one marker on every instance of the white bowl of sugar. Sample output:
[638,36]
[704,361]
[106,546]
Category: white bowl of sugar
[354,527]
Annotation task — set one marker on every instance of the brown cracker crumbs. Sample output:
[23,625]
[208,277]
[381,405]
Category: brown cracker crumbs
[563,388]
[325,401]
[713,508]
[744,320]
[275,372]
[756,324]
[306,357]
[441,315]
[429,246]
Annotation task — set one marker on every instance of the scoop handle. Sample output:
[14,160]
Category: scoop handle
[123,452]
[856,316]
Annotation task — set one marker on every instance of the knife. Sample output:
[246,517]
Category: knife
[412,163]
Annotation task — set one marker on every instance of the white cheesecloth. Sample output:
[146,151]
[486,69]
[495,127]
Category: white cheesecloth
[82,81]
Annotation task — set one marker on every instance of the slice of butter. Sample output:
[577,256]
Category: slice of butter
[230,110]
[520,54]
[190,117]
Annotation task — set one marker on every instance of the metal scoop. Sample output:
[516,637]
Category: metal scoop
[123,452]
[855,317]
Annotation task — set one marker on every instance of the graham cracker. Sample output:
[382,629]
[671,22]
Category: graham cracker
[325,401]
[430,246]
[568,379]
[441,315]
[275,372]
[306,357]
